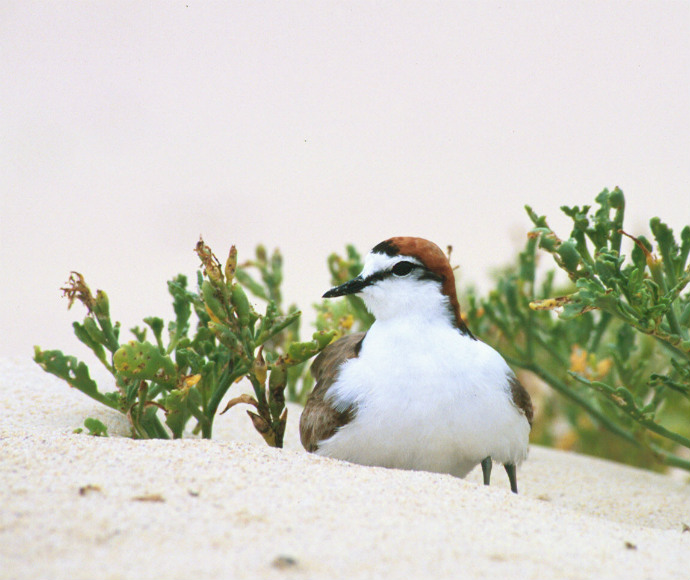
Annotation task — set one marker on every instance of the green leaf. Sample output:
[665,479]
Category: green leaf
[95,427]
[139,333]
[71,370]
[570,256]
[144,361]
[298,352]
[89,334]
[246,279]
[179,406]
[157,325]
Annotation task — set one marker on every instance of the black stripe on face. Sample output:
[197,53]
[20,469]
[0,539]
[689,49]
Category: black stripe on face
[357,284]
[424,274]
[387,247]
[429,275]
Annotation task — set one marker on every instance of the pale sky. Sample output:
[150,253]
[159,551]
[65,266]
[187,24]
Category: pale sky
[129,128]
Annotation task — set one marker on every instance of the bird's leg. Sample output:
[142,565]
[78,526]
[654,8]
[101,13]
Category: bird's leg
[512,476]
[486,470]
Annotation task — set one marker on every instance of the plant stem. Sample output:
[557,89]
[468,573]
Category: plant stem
[548,348]
[200,417]
[97,396]
[156,428]
[659,430]
[623,399]
[562,388]
[224,383]
[670,458]
[599,332]
[668,346]
[660,279]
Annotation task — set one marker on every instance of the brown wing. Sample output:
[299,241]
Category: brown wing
[319,420]
[521,398]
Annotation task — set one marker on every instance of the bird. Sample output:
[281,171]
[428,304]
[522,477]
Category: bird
[417,391]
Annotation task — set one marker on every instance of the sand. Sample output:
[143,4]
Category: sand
[75,506]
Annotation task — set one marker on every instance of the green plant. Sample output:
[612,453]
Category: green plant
[343,269]
[265,284]
[619,348]
[337,316]
[95,427]
[611,342]
[188,377]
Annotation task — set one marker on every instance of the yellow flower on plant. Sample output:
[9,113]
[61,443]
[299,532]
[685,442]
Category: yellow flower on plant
[603,367]
[192,380]
[567,440]
[347,321]
[578,360]
[586,364]
[211,315]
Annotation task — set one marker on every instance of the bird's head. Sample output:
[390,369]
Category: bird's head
[406,276]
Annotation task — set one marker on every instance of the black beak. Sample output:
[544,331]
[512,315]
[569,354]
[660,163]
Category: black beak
[351,287]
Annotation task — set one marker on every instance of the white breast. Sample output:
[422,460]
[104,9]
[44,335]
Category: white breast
[427,398]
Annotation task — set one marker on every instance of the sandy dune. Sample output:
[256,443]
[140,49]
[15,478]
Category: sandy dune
[74,506]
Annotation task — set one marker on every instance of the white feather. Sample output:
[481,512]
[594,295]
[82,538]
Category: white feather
[427,397]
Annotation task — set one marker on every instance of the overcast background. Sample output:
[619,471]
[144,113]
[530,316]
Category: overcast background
[129,128]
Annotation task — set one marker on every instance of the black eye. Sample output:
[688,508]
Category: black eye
[402,268]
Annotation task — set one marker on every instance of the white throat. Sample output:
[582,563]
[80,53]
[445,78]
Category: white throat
[405,298]
[421,301]
[421,391]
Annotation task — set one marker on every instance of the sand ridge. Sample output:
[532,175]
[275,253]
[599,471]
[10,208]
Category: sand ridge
[74,506]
